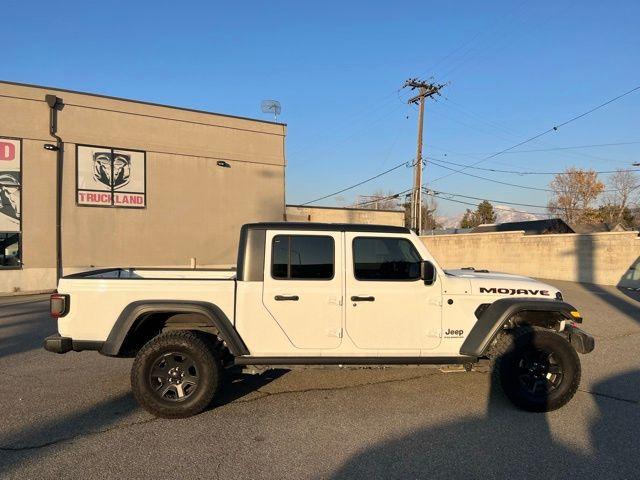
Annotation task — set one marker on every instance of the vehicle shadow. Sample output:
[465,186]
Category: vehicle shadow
[38,439]
[585,252]
[239,385]
[508,443]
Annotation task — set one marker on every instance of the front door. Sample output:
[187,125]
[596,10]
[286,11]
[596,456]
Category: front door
[388,306]
[303,287]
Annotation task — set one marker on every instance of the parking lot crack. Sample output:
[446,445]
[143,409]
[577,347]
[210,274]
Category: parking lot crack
[73,437]
[612,397]
[264,394]
[622,335]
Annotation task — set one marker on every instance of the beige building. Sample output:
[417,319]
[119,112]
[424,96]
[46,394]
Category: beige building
[304,213]
[141,184]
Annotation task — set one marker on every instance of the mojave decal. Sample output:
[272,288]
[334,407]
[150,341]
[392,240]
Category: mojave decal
[514,291]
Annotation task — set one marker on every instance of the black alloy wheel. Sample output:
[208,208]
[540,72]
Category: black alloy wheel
[177,374]
[536,368]
[539,372]
[174,376]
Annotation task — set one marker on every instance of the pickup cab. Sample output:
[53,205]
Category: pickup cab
[320,294]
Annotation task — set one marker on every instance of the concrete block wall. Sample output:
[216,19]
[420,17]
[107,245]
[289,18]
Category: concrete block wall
[610,258]
[303,213]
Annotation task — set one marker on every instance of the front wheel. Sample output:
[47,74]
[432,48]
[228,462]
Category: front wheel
[537,369]
[176,375]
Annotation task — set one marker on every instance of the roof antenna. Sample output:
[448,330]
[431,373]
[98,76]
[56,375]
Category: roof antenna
[272,106]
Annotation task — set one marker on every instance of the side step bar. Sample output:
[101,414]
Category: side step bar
[354,360]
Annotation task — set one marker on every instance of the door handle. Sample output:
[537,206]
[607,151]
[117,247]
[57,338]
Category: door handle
[285,298]
[357,298]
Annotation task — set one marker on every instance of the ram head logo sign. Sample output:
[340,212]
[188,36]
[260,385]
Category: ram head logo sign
[112,169]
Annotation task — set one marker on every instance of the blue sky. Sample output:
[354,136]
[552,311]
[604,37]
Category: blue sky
[516,68]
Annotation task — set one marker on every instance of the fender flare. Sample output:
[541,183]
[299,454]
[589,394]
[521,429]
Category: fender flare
[499,313]
[215,316]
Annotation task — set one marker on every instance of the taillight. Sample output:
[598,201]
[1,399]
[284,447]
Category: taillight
[59,305]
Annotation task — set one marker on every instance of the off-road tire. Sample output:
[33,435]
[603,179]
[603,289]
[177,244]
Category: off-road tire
[201,354]
[506,362]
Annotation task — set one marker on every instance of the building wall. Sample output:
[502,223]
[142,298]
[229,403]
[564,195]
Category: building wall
[194,207]
[609,258]
[297,213]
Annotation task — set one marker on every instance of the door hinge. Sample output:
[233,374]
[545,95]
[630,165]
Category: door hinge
[336,333]
[335,301]
[435,301]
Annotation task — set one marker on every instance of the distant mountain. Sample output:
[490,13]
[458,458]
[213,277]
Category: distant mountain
[452,221]
[507,214]
[504,214]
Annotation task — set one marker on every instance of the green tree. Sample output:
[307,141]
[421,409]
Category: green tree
[484,213]
[468,220]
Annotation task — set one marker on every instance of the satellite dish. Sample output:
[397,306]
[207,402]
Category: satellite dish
[271,106]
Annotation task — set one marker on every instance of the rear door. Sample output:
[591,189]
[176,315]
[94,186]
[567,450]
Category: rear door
[303,283]
[388,306]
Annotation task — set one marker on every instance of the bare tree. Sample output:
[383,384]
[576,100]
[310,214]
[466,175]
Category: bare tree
[574,194]
[621,199]
[429,214]
[379,200]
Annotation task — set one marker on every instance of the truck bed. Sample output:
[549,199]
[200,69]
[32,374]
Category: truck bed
[98,297]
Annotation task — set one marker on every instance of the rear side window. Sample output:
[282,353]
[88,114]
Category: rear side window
[302,257]
[377,258]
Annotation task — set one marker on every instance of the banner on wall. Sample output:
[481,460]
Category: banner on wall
[10,184]
[110,177]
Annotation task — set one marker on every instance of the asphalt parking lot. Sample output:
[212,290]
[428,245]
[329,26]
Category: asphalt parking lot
[72,416]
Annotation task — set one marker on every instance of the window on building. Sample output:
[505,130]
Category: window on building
[302,257]
[9,250]
[385,259]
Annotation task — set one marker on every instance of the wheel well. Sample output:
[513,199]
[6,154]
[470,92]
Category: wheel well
[148,326]
[536,318]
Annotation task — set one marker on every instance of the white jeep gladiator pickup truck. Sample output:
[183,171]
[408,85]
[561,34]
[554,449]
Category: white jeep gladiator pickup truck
[330,294]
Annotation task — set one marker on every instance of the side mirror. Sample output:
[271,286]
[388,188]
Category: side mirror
[427,272]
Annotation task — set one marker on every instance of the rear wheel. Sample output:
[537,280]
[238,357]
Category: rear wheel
[537,369]
[176,374]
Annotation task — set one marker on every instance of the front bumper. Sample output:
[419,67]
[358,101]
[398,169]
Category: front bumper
[58,344]
[579,339]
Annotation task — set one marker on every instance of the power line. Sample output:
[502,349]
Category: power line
[394,195]
[506,183]
[439,192]
[407,164]
[489,28]
[485,178]
[574,147]
[514,134]
[436,193]
[552,129]
[520,172]
[495,207]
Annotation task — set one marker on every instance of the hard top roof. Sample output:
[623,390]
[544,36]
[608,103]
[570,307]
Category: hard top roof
[330,227]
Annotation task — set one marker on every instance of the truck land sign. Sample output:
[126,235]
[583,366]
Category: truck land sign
[10,185]
[108,177]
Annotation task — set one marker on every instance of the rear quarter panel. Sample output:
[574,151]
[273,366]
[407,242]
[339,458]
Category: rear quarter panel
[95,304]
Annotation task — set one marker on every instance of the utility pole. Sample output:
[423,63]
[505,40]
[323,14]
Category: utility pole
[425,90]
